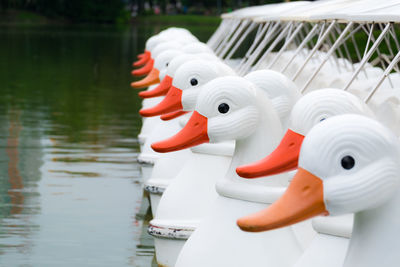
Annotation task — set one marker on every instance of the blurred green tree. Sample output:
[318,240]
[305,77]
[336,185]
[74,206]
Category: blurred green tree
[100,11]
[76,10]
[93,10]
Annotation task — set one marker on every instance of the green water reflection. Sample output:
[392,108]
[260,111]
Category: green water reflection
[69,182]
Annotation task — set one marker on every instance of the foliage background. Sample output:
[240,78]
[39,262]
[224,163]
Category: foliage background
[110,11]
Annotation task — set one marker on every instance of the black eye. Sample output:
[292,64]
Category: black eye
[348,162]
[223,108]
[194,81]
[167,64]
[322,119]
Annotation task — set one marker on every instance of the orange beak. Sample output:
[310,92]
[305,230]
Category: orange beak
[160,90]
[303,199]
[172,102]
[143,58]
[284,158]
[150,79]
[194,133]
[173,115]
[145,69]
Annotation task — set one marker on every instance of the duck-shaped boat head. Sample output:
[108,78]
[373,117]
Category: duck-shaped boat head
[146,69]
[197,47]
[174,64]
[178,34]
[227,108]
[233,108]
[348,164]
[159,69]
[150,44]
[142,59]
[310,110]
[281,91]
[186,84]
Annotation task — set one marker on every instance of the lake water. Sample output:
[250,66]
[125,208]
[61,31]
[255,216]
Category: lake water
[70,186]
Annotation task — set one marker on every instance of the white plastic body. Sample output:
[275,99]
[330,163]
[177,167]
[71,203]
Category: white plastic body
[161,131]
[167,250]
[165,169]
[329,246]
[369,189]
[187,199]
[257,130]
[148,124]
[218,241]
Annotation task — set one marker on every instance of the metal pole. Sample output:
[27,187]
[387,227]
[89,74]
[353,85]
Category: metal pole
[233,38]
[367,56]
[253,45]
[274,43]
[317,45]
[302,44]
[383,77]
[232,29]
[259,49]
[216,34]
[327,56]
[224,31]
[288,41]
[240,41]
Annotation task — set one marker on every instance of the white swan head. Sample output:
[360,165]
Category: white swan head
[347,164]
[155,40]
[148,66]
[186,57]
[227,108]
[186,85]
[159,69]
[280,90]
[161,62]
[182,36]
[309,110]
[165,46]
[197,47]
[173,65]
[168,35]
[155,62]
[178,33]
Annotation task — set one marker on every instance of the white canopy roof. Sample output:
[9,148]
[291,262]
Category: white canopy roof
[351,12]
[385,14]
[305,13]
[344,10]
[257,11]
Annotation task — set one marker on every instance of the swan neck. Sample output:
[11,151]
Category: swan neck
[375,235]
